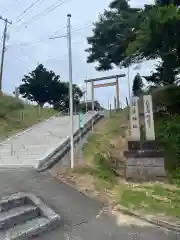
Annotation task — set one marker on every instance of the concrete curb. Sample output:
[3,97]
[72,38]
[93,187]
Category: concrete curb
[57,153]
[152,220]
[158,222]
[46,158]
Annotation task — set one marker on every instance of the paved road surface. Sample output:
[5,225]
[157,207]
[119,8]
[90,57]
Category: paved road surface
[77,211]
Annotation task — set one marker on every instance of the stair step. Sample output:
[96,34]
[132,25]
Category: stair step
[17,216]
[27,230]
[8,204]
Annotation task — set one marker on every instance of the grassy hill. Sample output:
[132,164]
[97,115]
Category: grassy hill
[15,115]
[102,172]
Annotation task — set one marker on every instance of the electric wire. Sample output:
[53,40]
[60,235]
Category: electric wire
[58,32]
[10,5]
[43,13]
[20,17]
[49,38]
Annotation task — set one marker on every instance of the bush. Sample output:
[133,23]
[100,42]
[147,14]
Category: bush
[168,134]
[167,100]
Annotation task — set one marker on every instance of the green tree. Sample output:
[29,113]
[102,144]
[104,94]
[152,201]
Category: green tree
[137,87]
[63,102]
[157,77]
[125,35]
[43,86]
[111,36]
[167,2]
[35,86]
[158,37]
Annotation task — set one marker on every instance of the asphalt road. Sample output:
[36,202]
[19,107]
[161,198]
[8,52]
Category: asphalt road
[105,228]
[80,214]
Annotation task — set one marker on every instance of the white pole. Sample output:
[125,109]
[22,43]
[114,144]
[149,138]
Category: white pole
[70,88]
[129,85]
[86,99]
[129,88]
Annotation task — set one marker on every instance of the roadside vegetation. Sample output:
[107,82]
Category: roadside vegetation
[16,115]
[103,172]
[135,35]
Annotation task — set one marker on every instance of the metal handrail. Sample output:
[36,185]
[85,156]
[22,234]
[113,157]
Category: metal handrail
[61,112]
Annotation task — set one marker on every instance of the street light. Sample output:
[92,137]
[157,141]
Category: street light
[70,89]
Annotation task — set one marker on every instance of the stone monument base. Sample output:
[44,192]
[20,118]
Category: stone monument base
[145,162]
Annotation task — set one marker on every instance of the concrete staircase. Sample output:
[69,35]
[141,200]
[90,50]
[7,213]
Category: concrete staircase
[23,216]
[35,144]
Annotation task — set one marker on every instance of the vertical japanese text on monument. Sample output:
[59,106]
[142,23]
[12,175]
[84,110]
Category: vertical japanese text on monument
[134,114]
[134,119]
[148,113]
[149,120]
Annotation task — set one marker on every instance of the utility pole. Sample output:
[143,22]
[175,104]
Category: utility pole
[3,50]
[70,89]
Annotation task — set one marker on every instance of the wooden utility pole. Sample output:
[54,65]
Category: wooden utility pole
[3,50]
[115,107]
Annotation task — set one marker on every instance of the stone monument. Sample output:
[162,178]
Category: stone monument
[145,159]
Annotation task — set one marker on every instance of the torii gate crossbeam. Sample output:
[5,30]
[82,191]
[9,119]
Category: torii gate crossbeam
[93,86]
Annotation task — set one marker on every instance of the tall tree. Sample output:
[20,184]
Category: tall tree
[158,37]
[157,77]
[63,102]
[111,36]
[35,86]
[137,87]
[167,2]
[43,86]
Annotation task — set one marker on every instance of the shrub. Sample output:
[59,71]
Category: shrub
[168,134]
[167,100]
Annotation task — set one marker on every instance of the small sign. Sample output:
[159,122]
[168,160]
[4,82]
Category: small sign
[134,119]
[148,117]
[81,120]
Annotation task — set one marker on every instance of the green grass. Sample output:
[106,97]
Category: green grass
[99,149]
[152,198]
[16,116]
[99,141]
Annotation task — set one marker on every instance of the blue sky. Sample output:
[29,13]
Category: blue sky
[28,42]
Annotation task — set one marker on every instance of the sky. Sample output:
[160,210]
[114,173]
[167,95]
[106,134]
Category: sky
[28,42]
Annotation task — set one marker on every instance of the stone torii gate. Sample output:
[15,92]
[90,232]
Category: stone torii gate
[93,86]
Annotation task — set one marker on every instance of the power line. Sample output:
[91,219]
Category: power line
[20,59]
[52,37]
[85,26]
[59,3]
[58,31]
[10,5]
[20,17]
[45,12]
[73,31]
[29,43]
